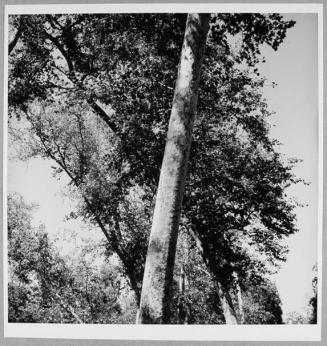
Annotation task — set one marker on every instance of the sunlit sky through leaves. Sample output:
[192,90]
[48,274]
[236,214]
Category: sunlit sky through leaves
[295,100]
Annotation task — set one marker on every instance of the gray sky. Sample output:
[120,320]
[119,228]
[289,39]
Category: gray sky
[295,101]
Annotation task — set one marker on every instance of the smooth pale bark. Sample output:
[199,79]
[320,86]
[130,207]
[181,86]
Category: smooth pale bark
[137,318]
[240,303]
[158,273]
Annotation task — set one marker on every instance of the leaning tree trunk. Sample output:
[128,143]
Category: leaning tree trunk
[183,311]
[158,273]
[240,303]
[239,298]
[226,305]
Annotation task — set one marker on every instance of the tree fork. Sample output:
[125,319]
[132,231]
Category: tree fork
[158,273]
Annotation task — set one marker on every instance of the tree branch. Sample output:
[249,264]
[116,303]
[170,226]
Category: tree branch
[69,308]
[94,104]
[62,50]
[110,236]
[13,43]
[103,114]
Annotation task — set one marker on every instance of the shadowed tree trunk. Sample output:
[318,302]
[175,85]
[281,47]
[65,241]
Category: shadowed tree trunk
[222,292]
[155,296]
[240,304]
[239,298]
[183,311]
[227,305]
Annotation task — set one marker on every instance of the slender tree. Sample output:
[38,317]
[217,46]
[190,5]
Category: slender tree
[154,306]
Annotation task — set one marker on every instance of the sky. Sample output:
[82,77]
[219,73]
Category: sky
[294,68]
[295,100]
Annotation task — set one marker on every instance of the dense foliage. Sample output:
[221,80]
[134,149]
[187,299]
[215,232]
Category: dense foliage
[45,287]
[95,93]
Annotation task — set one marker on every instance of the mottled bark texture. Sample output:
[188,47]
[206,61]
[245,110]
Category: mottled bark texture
[155,296]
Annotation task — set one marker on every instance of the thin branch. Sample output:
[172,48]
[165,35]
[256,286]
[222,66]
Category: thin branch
[69,308]
[94,104]
[103,114]
[53,85]
[54,22]
[166,86]
[60,70]
[62,50]
[19,32]
[66,306]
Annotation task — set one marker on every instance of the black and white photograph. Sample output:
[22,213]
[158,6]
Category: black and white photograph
[163,166]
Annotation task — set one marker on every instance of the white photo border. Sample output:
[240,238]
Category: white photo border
[167,332]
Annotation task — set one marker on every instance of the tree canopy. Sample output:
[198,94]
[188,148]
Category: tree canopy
[46,287]
[96,92]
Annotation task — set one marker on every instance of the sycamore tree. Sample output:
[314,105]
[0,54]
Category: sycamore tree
[95,92]
[158,271]
[195,299]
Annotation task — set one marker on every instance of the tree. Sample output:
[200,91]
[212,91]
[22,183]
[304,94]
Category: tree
[313,299]
[197,300]
[295,317]
[47,288]
[158,272]
[74,93]
[262,304]
[309,316]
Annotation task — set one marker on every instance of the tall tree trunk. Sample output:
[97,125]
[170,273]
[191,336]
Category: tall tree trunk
[223,294]
[239,298]
[182,306]
[158,273]
[226,304]
[240,303]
